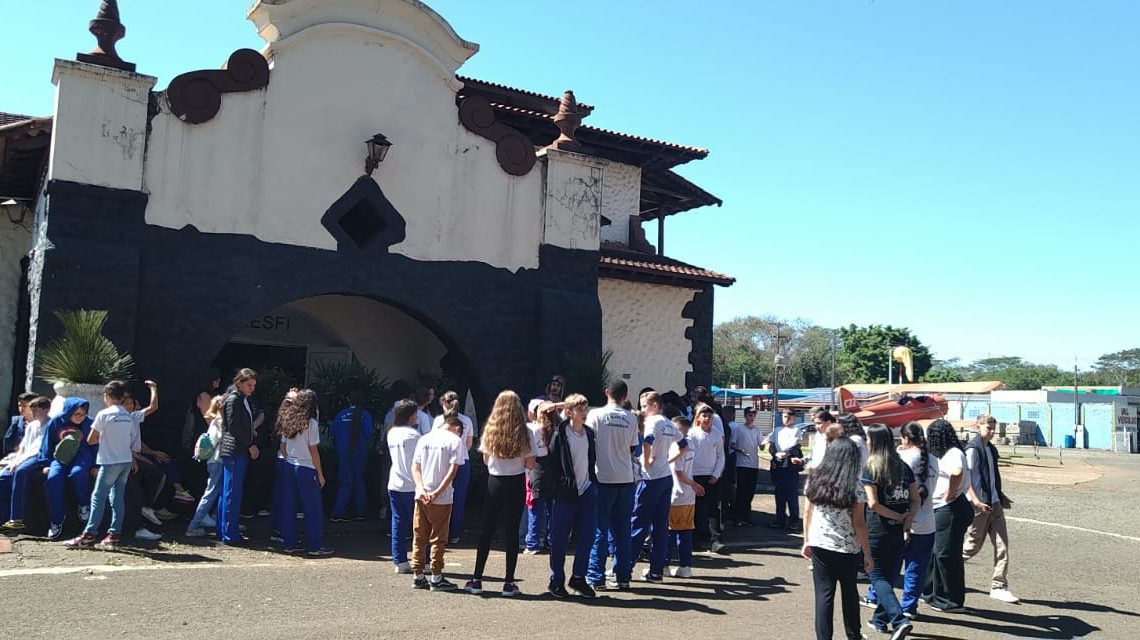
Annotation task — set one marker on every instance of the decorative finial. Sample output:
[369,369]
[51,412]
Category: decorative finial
[567,121]
[107,29]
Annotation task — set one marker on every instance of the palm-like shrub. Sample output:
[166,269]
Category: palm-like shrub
[82,354]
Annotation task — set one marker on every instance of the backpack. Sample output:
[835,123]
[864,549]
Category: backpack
[67,449]
[204,448]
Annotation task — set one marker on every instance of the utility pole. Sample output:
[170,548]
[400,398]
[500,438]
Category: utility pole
[832,334]
[777,362]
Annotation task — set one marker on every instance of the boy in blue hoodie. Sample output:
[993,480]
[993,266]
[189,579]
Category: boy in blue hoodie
[69,460]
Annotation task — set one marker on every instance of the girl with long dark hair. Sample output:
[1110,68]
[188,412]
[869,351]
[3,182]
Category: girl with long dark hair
[916,558]
[538,513]
[945,589]
[835,534]
[892,499]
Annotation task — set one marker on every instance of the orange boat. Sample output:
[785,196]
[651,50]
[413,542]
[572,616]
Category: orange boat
[894,412]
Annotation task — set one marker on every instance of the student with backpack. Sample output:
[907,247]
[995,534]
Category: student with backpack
[351,431]
[69,460]
[206,451]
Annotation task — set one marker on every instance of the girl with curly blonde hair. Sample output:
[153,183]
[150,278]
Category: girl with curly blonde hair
[304,478]
[506,450]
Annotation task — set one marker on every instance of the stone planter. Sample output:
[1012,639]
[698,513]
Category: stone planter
[92,393]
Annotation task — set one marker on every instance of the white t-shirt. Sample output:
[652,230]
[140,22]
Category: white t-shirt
[423,421]
[832,528]
[468,429]
[786,438]
[435,453]
[818,449]
[682,493]
[579,444]
[536,444]
[863,452]
[660,434]
[923,522]
[951,461]
[297,448]
[401,448]
[506,466]
[30,444]
[708,449]
[214,431]
[747,439]
[616,436]
[118,435]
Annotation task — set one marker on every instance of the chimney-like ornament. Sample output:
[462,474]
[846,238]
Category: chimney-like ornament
[107,29]
[567,121]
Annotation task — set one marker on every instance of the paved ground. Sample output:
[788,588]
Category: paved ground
[1076,564]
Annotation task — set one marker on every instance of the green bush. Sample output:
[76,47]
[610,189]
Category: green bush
[82,354]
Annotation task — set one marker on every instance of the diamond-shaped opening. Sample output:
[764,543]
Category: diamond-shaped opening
[362,223]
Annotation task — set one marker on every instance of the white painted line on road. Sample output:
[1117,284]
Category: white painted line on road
[1071,527]
[104,568]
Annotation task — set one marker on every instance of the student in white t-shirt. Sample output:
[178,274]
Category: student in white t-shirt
[435,463]
[402,438]
[945,588]
[745,441]
[615,436]
[304,477]
[682,501]
[651,502]
[506,449]
[449,402]
[116,432]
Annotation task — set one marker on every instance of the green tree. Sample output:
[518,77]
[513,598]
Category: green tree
[942,375]
[866,351]
[746,347]
[1029,376]
[1120,368]
[809,360]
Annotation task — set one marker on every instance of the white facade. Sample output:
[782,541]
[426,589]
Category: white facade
[642,326]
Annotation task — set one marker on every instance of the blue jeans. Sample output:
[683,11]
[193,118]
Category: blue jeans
[462,483]
[403,509]
[651,512]
[577,516]
[916,560]
[209,496]
[112,480]
[536,521]
[886,551]
[229,511]
[350,481]
[682,543]
[14,489]
[615,504]
[301,483]
[77,474]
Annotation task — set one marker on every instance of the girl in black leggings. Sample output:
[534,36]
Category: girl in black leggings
[505,445]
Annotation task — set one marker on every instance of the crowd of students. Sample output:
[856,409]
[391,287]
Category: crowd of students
[663,480]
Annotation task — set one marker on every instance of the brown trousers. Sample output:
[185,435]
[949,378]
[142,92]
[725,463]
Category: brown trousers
[429,527]
[991,524]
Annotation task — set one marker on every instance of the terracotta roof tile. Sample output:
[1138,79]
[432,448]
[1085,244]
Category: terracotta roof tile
[624,260]
[12,118]
[552,100]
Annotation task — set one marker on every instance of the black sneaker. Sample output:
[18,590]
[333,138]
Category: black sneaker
[340,519]
[319,553]
[581,588]
[443,584]
[473,586]
[420,582]
[864,601]
[902,631]
[295,549]
[557,590]
[55,532]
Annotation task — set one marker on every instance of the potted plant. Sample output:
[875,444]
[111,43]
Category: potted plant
[81,360]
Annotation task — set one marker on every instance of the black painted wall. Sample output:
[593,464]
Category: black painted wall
[177,296]
[700,311]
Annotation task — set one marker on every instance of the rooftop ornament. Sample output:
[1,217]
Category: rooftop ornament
[107,30]
[567,120]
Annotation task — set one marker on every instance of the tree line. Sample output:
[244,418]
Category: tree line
[744,353]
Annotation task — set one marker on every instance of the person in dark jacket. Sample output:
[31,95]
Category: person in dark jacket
[573,485]
[990,505]
[15,432]
[236,449]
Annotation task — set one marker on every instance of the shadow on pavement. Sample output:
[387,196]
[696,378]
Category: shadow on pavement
[1080,606]
[1005,624]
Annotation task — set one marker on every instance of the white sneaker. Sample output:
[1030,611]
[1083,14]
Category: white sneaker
[681,572]
[84,513]
[147,534]
[404,568]
[196,532]
[1004,595]
[209,522]
[151,517]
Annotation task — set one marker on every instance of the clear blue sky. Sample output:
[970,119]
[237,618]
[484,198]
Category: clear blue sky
[967,169]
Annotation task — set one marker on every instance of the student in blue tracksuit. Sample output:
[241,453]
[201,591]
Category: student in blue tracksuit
[73,467]
[449,401]
[351,431]
[15,432]
[17,468]
[651,502]
[236,449]
[304,478]
[616,436]
[402,439]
